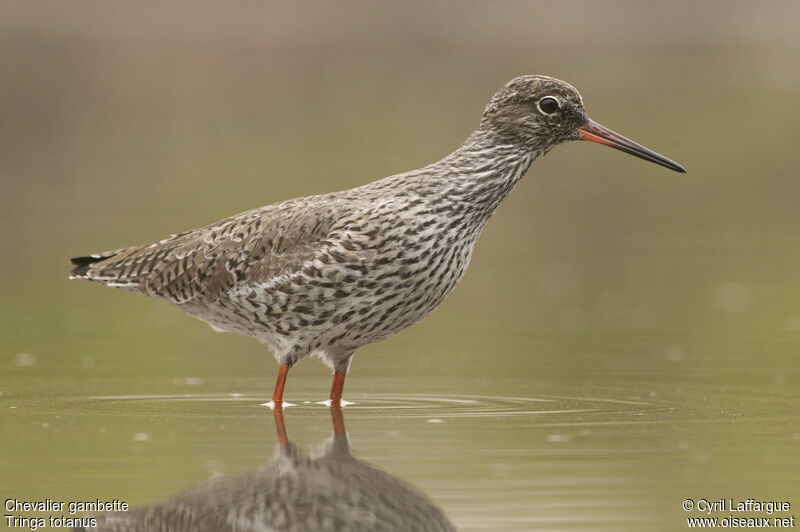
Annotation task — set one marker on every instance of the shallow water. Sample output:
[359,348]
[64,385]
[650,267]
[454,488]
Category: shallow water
[613,457]
[625,339]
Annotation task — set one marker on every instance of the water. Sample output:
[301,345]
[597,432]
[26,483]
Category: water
[612,457]
[625,339]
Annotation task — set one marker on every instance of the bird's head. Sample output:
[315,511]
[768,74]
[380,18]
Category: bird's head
[542,112]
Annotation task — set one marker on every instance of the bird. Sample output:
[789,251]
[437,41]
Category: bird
[328,274]
[327,489]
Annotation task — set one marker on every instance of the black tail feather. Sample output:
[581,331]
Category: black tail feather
[83,264]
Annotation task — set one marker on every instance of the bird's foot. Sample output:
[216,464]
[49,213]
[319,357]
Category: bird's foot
[335,402]
[280,404]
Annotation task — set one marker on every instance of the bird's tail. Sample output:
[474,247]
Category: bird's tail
[124,268]
[84,264]
[102,268]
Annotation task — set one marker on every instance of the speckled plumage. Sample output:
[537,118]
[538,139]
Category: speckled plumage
[328,274]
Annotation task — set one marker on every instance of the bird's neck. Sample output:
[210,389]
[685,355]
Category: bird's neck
[480,174]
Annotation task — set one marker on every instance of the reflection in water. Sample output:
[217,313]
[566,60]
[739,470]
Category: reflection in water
[297,491]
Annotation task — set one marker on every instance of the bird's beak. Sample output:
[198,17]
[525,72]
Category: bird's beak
[594,132]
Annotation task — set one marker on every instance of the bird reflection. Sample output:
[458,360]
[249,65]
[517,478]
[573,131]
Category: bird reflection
[298,491]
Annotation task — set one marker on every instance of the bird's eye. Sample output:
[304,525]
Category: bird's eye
[548,105]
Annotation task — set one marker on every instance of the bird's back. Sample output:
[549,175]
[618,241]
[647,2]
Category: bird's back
[200,265]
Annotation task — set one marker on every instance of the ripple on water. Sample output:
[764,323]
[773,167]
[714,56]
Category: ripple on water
[432,406]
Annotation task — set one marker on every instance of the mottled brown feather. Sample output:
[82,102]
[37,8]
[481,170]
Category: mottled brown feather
[254,246]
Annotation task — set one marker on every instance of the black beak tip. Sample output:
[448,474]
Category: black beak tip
[594,132]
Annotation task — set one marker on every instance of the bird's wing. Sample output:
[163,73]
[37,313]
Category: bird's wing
[254,246]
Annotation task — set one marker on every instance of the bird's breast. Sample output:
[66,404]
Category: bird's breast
[373,278]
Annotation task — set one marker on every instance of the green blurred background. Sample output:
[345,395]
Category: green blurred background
[602,276]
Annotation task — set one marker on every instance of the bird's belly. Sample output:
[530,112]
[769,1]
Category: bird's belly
[412,293]
[303,312]
[395,295]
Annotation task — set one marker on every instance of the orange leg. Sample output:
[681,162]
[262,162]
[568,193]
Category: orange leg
[336,388]
[280,384]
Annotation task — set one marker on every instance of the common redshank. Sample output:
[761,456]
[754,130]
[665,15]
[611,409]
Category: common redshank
[328,274]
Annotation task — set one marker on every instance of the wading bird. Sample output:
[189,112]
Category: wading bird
[328,274]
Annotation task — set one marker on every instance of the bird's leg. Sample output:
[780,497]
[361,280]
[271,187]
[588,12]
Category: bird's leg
[280,384]
[336,388]
[280,427]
